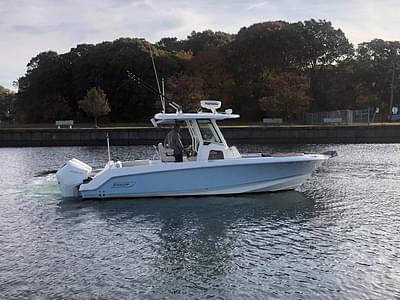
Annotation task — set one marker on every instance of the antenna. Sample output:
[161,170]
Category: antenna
[108,148]
[163,94]
[158,82]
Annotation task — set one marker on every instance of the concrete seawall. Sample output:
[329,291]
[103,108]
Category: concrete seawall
[15,137]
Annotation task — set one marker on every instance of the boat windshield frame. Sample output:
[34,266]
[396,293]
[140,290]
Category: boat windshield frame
[209,134]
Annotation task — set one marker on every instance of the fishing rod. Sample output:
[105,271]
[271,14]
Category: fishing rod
[140,81]
[147,86]
[161,90]
[162,96]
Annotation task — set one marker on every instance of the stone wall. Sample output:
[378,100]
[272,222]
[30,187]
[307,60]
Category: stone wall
[10,137]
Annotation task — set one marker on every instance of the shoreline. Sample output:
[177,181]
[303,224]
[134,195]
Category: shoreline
[238,134]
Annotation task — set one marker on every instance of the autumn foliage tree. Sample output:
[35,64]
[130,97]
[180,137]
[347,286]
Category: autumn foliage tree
[186,90]
[95,103]
[209,64]
[204,77]
[286,95]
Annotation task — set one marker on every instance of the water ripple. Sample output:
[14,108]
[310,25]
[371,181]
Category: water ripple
[335,238]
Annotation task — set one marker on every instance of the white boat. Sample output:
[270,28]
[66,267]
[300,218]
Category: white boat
[213,168]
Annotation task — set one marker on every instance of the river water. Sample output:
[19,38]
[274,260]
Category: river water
[337,237]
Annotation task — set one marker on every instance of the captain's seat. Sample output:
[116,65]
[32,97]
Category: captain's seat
[166,154]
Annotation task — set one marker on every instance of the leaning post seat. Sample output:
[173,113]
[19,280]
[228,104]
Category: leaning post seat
[166,154]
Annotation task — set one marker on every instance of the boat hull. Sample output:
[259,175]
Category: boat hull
[211,178]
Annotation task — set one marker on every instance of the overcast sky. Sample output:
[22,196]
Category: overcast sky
[28,27]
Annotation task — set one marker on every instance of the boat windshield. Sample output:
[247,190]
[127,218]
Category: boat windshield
[208,132]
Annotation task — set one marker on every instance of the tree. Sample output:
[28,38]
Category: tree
[95,103]
[196,41]
[209,64]
[323,49]
[69,75]
[7,101]
[204,77]
[286,95]
[169,43]
[214,65]
[3,90]
[378,72]
[321,43]
[187,90]
[262,47]
[45,83]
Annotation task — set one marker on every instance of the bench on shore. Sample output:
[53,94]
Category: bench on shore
[65,123]
[273,120]
[333,120]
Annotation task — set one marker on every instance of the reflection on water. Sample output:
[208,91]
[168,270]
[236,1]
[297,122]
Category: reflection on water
[335,238]
[193,241]
[227,208]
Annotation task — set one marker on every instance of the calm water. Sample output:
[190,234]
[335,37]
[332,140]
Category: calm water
[336,238]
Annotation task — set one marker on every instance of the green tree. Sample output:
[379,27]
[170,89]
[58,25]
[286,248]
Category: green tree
[378,73]
[69,75]
[322,44]
[7,101]
[45,79]
[323,49]
[261,46]
[170,44]
[95,103]
[307,47]
[196,41]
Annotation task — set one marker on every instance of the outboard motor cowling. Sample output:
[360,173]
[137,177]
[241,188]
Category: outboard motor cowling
[71,175]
